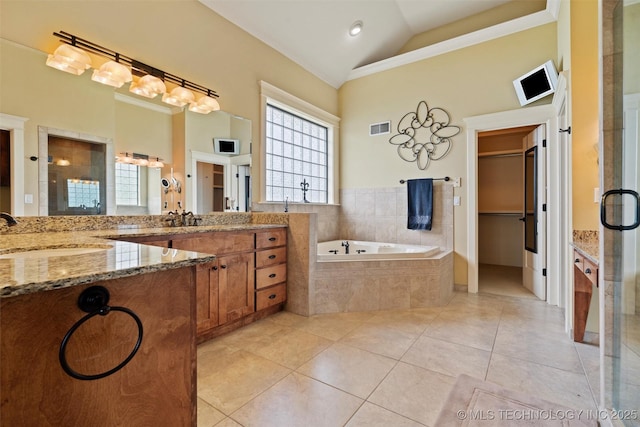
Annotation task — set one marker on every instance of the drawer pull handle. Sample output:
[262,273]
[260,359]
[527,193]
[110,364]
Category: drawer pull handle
[215,268]
[272,275]
[577,260]
[272,257]
[272,296]
[223,266]
[272,239]
[588,271]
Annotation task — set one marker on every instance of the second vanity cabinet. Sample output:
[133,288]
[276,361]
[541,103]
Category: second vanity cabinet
[247,280]
[585,276]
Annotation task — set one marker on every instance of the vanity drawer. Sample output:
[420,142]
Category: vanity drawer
[578,260]
[271,296]
[591,271]
[271,257]
[271,238]
[271,275]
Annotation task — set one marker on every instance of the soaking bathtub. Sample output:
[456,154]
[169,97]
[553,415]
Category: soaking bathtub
[372,251]
[379,276]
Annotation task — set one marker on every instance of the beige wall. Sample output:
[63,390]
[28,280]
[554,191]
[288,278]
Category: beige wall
[468,82]
[497,15]
[584,113]
[182,37]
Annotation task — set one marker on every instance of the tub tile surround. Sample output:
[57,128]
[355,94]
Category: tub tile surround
[380,215]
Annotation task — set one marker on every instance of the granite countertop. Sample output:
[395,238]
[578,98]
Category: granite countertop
[588,250]
[109,259]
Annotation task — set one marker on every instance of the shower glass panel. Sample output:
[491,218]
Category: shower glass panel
[625,158]
[77,177]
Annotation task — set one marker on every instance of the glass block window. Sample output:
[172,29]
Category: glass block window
[127,184]
[83,193]
[296,156]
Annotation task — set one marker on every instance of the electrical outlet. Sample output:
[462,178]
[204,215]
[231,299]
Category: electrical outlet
[456,200]
[456,182]
[28,198]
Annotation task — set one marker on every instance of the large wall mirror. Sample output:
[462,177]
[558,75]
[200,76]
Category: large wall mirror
[36,179]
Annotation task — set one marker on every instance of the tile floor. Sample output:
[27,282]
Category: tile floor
[388,368]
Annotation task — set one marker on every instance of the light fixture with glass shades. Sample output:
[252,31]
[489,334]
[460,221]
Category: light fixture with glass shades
[204,105]
[179,97]
[139,160]
[147,81]
[69,59]
[112,73]
[148,86]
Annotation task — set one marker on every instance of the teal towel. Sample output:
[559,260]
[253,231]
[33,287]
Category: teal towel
[420,199]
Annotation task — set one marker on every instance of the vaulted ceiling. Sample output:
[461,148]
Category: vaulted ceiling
[314,33]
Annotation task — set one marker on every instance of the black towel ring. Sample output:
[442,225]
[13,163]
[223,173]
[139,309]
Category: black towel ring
[94,301]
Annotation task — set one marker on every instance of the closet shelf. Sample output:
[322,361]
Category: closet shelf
[516,152]
[501,212]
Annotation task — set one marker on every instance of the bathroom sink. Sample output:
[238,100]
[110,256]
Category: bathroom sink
[53,252]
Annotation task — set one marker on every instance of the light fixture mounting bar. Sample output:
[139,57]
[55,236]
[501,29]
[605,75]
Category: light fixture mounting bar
[137,67]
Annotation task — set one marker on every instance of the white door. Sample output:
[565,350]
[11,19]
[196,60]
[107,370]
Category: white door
[534,216]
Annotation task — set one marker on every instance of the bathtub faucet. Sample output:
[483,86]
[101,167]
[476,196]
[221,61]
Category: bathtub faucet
[345,244]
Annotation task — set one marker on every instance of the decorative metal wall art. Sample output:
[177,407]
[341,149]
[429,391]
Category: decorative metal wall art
[436,140]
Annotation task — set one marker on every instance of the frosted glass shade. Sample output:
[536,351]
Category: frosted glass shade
[204,105]
[148,86]
[113,74]
[69,59]
[179,97]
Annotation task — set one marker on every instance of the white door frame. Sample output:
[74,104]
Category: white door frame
[544,114]
[15,125]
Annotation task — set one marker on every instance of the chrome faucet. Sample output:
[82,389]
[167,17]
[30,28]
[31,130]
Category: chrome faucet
[11,221]
[345,244]
[286,204]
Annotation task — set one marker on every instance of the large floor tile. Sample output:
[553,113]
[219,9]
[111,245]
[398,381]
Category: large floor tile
[348,368]
[237,378]
[413,392]
[549,350]
[298,400]
[208,416]
[464,329]
[566,388]
[290,347]
[448,358]
[380,339]
[332,326]
[370,415]
[409,321]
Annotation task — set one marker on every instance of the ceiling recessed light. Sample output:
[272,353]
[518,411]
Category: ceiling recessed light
[355,29]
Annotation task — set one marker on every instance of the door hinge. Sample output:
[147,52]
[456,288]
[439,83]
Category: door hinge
[544,143]
[544,272]
[544,207]
[237,175]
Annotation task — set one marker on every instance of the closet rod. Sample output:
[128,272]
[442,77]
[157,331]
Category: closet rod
[446,178]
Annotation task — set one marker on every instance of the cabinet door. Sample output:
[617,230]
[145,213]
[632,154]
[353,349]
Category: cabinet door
[236,286]
[206,296]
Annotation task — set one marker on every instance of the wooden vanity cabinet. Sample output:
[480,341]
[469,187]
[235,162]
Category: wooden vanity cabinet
[156,388]
[585,275]
[246,281]
[271,268]
[236,284]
